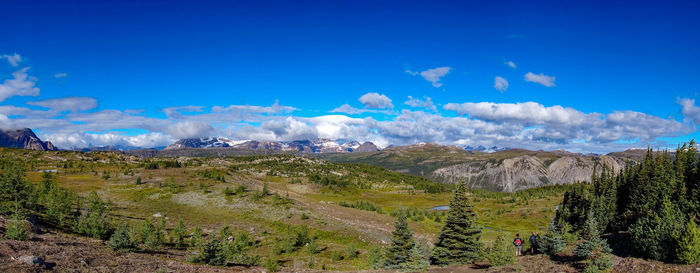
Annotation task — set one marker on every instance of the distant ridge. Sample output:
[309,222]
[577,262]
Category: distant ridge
[315,146]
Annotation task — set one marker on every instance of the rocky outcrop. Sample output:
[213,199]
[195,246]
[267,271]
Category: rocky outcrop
[367,147]
[24,139]
[527,171]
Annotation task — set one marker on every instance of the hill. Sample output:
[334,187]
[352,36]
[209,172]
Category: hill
[507,170]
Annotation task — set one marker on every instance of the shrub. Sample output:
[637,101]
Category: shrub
[501,253]
[179,234]
[196,238]
[376,258]
[271,265]
[212,253]
[352,252]
[17,228]
[94,221]
[121,239]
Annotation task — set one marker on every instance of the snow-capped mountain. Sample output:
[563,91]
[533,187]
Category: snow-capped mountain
[481,148]
[204,143]
[319,145]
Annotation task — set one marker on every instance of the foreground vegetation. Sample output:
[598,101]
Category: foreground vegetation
[279,211]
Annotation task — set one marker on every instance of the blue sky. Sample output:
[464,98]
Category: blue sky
[304,59]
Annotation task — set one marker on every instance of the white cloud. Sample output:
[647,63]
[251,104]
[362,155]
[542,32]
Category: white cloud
[83,140]
[190,129]
[275,108]
[542,79]
[60,75]
[375,100]
[20,85]
[426,103]
[67,104]
[13,59]
[500,84]
[511,64]
[348,109]
[433,75]
[690,111]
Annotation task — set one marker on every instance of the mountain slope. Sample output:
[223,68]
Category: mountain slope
[23,139]
[507,170]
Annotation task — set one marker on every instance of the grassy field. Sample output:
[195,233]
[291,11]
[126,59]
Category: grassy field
[302,193]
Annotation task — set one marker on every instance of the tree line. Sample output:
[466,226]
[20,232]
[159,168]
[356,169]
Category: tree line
[655,202]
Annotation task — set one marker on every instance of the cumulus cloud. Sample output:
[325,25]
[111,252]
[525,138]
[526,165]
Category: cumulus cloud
[690,111]
[427,103]
[542,79]
[20,85]
[562,125]
[375,100]
[60,75]
[432,75]
[83,140]
[190,129]
[67,104]
[13,59]
[500,84]
[511,64]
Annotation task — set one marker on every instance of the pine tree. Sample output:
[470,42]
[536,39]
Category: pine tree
[212,253]
[196,238]
[398,254]
[688,250]
[460,239]
[551,242]
[179,234]
[94,221]
[501,253]
[419,258]
[121,239]
[653,236]
[593,249]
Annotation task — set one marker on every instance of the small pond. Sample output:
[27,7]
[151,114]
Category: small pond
[441,208]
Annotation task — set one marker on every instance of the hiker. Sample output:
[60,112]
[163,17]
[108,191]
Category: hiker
[518,245]
[533,242]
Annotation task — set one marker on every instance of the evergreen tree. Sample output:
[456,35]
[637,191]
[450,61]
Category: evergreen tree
[501,253]
[14,188]
[688,250]
[654,236]
[419,257]
[460,239]
[17,226]
[121,239]
[551,242]
[593,249]
[179,234]
[93,222]
[398,254]
[212,253]
[196,238]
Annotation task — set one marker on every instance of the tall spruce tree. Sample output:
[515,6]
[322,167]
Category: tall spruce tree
[688,250]
[399,253]
[460,239]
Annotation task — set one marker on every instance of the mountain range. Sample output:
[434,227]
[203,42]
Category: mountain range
[493,168]
[320,145]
